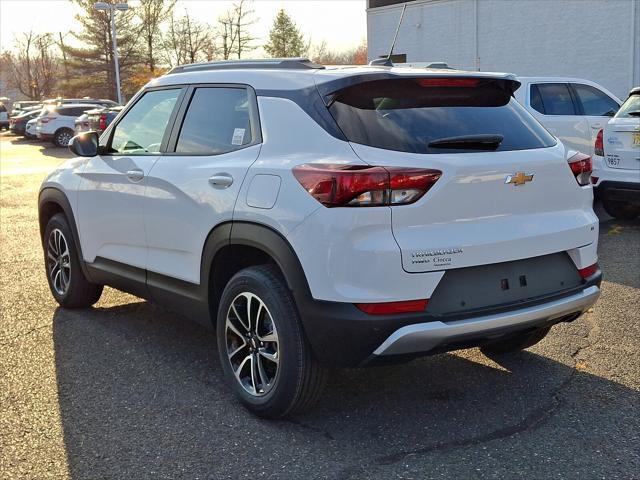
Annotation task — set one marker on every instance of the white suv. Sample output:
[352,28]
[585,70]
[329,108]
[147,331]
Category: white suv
[616,173]
[327,217]
[572,109]
[56,123]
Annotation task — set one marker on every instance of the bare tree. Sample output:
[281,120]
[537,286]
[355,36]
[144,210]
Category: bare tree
[152,14]
[353,56]
[233,29]
[32,64]
[187,40]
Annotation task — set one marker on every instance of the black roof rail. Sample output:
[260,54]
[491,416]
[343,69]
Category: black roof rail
[268,63]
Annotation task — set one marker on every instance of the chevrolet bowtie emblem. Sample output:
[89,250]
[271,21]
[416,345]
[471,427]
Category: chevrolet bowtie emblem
[519,178]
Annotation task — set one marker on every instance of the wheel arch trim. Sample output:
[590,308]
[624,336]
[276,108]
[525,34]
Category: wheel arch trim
[261,237]
[59,198]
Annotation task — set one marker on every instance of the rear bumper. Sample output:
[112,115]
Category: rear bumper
[424,337]
[341,335]
[619,191]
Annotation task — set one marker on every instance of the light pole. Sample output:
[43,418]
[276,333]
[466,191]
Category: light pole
[111,8]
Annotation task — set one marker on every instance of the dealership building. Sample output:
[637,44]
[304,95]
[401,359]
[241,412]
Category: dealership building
[594,39]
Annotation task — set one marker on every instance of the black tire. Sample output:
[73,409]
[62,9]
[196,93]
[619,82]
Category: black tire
[79,292]
[62,136]
[299,378]
[621,210]
[515,342]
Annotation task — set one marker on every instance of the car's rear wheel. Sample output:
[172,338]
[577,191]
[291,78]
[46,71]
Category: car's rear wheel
[515,342]
[621,210]
[66,279]
[263,350]
[62,137]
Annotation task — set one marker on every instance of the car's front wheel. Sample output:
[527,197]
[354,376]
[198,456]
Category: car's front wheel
[621,210]
[263,350]
[62,137]
[67,282]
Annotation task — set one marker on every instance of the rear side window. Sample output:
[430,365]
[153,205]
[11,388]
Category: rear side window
[73,111]
[556,99]
[630,108]
[217,121]
[595,102]
[409,114]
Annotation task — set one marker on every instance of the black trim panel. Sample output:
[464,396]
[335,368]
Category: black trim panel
[621,191]
[58,197]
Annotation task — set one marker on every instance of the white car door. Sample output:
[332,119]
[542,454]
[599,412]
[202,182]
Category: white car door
[194,186]
[553,105]
[597,106]
[111,192]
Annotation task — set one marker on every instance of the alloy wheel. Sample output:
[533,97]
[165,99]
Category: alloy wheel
[64,138]
[252,344]
[59,261]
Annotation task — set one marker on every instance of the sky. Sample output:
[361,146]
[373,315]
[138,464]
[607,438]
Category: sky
[341,23]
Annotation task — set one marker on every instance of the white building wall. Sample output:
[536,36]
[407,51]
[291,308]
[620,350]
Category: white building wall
[594,39]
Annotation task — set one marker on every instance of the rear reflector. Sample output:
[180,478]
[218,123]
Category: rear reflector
[588,271]
[363,185]
[448,82]
[581,167]
[389,308]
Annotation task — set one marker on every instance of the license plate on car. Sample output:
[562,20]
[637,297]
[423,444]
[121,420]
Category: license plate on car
[636,139]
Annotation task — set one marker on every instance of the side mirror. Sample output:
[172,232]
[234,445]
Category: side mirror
[85,144]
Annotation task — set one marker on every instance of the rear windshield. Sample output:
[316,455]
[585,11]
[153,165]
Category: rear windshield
[630,108]
[408,114]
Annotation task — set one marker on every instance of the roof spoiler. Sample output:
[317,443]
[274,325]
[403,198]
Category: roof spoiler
[508,82]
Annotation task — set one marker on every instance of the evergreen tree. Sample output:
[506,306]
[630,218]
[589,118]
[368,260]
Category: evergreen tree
[93,66]
[285,39]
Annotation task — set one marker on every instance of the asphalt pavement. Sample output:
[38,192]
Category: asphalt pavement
[128,390]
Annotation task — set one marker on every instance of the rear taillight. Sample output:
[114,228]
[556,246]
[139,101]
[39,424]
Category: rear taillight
[102,121]
[581,167]
[364,186]
[389,308]
[599,146]
[588,271]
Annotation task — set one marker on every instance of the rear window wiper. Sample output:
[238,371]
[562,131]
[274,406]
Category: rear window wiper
[469,142]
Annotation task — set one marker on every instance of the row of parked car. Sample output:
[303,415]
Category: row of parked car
[58,120]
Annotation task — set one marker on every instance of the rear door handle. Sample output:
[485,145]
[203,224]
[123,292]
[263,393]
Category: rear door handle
[135,175]
[221,180]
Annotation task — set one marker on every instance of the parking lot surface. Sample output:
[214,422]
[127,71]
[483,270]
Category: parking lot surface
[129,390]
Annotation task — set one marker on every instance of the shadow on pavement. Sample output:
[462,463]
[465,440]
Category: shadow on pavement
[142,396]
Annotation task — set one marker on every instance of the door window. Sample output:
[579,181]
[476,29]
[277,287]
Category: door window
[595,102]
[555,99]
[141,130]
[217,121]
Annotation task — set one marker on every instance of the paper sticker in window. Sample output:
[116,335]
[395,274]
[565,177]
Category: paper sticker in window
[238,136]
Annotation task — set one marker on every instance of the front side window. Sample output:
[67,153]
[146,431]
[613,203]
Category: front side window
[141,130]
[595,102]
[217,121]
[556,99]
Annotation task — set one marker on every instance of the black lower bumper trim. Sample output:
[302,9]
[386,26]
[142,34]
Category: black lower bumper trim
[343,336]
